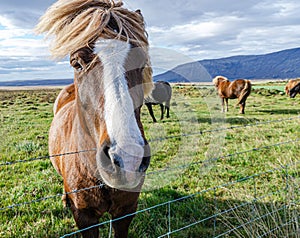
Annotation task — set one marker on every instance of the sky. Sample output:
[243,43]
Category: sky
[179,31]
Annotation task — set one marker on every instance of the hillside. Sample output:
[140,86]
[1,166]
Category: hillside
[40,82]
[277,65]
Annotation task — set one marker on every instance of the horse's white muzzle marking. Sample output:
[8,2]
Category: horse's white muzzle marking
[126,149]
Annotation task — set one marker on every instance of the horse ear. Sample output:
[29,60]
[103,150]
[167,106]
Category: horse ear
[138,11]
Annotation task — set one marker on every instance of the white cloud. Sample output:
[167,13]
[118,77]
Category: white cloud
[194,31]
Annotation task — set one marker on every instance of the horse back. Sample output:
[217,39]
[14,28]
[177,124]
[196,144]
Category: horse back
[291,84]
[239,87]
[234,89]
[162,92]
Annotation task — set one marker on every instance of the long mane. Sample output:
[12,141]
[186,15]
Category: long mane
[79,23]
[217,78]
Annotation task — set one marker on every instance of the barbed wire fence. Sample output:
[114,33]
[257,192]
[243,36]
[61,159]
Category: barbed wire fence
[289,189]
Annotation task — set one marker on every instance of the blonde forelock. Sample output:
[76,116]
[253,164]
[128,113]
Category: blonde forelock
[219,78]
[78,23]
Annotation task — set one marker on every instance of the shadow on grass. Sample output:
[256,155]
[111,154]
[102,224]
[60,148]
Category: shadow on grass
[240,120]
[209,215]
[281,111]
[206,214]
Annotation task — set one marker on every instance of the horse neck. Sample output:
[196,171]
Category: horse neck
[224,85]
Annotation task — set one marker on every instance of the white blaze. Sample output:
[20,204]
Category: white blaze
[126,139]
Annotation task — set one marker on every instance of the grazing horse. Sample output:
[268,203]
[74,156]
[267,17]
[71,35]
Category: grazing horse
[98,116]
[239,89]
[161,93]
[295,90]
[290,84]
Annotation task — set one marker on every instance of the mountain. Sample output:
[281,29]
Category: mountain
[278,65]
[40,82]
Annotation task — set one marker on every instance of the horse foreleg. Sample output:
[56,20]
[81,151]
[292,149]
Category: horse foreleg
[86,218]
[222,101]
[168,109]
[162,111]
[226,100]
[149,106]
[121,227]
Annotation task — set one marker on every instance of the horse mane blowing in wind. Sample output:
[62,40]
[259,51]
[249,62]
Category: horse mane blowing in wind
[100,112]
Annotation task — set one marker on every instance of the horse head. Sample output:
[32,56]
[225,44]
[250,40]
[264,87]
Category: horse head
[112,74]
[218,79]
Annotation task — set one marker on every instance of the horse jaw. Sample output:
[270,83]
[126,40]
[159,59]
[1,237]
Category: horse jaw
[126,141]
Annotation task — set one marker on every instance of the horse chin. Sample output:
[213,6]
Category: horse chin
[125,181]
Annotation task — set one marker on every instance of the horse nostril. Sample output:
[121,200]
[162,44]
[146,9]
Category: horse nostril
[110,158]
[105,150]
[117,160]
[105,158]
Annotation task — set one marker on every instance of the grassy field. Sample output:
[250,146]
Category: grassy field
[196,149]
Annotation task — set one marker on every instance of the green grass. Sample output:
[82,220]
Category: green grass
[25,118]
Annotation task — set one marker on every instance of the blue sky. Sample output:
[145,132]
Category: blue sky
[179,31]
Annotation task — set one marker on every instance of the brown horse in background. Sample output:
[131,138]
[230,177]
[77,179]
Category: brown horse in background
[295,90]
[239,89]
[100,112]
[290,84]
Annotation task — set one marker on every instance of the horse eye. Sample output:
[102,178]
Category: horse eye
[76,65]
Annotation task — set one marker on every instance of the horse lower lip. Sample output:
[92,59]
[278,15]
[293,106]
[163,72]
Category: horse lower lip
[121,180]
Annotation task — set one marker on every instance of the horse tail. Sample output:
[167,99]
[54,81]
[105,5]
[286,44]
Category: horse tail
[245,92]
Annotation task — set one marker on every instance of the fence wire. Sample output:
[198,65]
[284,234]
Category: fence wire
[150,173]
[170,202]
[157,139]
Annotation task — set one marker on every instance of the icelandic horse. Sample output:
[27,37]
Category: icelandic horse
[240,89]
[295,90]
[291,84]
[98,116]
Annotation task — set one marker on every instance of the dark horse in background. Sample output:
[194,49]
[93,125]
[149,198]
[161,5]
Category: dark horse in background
[100,112]
[239,89]
[295,90]
[161,94]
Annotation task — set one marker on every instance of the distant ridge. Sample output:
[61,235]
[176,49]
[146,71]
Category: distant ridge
[42,82]
[283,64]
[278,65]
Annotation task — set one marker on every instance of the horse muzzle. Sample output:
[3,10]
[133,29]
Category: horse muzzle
[123,167]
